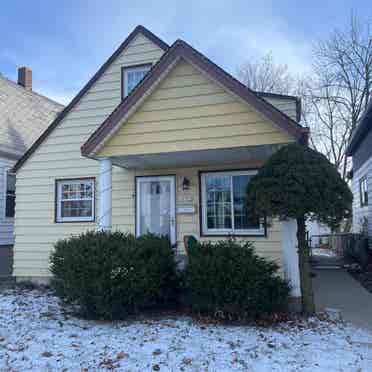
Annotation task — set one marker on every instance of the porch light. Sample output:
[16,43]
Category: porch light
[185,184]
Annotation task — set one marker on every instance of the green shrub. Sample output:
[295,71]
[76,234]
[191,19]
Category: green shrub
[110,274]
[230,280]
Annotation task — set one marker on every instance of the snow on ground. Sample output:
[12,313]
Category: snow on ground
[36,335]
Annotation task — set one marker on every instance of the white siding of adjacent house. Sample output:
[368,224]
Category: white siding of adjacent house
[360,213]
[6,224]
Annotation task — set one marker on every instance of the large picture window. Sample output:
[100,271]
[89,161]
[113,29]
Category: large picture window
[10,195]
[131,76]
[75,200]
[224,204]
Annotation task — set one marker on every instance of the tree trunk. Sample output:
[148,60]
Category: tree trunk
[308,305]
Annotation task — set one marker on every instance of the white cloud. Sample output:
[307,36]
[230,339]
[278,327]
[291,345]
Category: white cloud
[255,41]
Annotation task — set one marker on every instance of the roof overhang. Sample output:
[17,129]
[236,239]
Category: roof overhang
[196,158]
[181,50]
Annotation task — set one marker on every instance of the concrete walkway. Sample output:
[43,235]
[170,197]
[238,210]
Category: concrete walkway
[336,289]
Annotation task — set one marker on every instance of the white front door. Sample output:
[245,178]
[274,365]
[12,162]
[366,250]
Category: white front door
[156,206]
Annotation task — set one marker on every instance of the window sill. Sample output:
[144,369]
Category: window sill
[257,233]
[75,221]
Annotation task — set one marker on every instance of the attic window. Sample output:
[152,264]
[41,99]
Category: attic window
[131,76]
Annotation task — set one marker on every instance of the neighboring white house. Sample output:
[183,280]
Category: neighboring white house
[360,148]
[24,115]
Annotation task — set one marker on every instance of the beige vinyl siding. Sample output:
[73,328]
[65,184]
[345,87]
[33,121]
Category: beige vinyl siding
[188,111]
[59,157]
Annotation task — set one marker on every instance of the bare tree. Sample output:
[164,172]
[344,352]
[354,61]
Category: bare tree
[329,121]
[335,94]
[340,88]
[264,75]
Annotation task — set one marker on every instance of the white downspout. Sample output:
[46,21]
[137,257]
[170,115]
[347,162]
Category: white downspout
[105,194]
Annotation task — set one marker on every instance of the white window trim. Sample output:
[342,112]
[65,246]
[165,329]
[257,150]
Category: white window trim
[6,171]
[239,232]
[126,70]
[59,184]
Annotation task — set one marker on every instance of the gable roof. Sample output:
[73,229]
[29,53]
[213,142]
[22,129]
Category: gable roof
[180,49]
[360,132]
[138,30]
[24,115]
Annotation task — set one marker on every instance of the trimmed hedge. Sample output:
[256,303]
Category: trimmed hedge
[110,274]
[230,280]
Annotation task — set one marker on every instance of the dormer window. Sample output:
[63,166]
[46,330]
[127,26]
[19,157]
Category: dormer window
[131,76]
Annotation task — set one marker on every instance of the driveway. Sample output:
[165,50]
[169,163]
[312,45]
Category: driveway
[336,289]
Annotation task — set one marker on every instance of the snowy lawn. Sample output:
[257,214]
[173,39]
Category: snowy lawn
[36,335]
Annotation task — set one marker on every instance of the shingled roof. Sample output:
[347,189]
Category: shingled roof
[24,115]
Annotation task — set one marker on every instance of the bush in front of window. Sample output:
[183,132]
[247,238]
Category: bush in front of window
[110,274]
[229,280]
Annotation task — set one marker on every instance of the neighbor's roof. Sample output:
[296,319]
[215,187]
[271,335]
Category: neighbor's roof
[24,115]
[180,49]
[363,128]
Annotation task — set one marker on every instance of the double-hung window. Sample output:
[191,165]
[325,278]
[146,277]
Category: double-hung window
[10,195]
[75,200]
[224,204]
[131,76]
[363,190]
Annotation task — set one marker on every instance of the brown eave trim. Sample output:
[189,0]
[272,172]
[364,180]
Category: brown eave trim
[183,50]
[138,30]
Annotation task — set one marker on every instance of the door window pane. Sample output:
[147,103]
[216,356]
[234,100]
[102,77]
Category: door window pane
[155,207]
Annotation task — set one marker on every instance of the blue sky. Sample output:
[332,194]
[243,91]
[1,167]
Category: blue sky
[65,42]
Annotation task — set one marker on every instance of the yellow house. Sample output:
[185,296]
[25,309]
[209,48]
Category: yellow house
[161,139]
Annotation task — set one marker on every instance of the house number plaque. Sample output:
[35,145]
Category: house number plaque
[185,209]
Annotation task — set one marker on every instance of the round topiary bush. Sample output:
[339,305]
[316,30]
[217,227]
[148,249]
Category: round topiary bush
[110,274]
[230,280]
